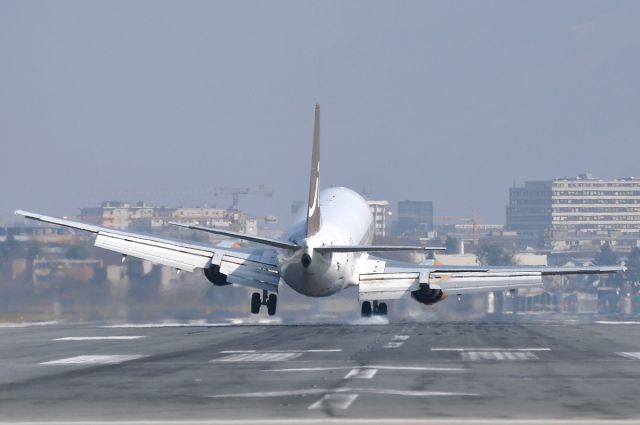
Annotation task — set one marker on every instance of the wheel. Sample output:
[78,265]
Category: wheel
[272,302]
[366,309]
[382,309]
[255,303]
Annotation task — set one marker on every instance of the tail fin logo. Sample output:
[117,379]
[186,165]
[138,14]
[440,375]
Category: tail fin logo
[313,213]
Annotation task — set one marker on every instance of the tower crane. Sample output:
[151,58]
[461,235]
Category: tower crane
[235,193]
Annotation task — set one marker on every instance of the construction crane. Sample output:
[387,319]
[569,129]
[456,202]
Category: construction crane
[466,220]
[235,193]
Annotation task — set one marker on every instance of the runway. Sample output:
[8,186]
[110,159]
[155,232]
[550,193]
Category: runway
[421,371]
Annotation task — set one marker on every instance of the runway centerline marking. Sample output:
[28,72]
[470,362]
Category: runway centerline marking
[633,355]
[489,349]
[99,338]
[94,359]
[334,401]
[361,373]
[379,367]
[393,344]
[257,357]
[312,391]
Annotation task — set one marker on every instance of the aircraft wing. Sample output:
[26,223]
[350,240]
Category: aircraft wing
[255,268]
[380,279]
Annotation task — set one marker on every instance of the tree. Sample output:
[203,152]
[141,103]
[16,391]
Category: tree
[606,256]
[451,244]
[633,266]
[9,250]
[81,251]
[494,255]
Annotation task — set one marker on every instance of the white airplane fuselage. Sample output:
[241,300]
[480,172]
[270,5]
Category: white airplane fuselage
[346,220]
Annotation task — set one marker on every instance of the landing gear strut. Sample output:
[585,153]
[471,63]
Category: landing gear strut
[376,309]
[271,301]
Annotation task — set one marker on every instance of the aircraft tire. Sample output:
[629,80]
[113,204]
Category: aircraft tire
[255,303]
[366,309]
[272,303]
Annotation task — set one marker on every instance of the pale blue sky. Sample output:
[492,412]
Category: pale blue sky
[444,101]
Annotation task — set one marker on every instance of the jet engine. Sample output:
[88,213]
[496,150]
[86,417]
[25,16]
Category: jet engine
[428,296]
[214,276]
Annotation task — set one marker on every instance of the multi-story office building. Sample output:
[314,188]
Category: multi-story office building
[414,218]
[570,212]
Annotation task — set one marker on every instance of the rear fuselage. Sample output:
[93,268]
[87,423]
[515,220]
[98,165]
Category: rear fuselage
[346,220]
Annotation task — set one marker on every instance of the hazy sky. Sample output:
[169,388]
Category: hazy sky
[443,101]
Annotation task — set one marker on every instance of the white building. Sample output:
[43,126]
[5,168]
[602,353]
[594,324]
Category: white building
[380,211]
[570,212]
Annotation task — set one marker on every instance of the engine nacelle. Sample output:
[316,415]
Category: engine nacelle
[214,276]
[428,296]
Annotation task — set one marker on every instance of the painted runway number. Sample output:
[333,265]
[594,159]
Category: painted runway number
[361,373]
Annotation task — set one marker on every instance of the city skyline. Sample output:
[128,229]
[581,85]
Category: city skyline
[101,100]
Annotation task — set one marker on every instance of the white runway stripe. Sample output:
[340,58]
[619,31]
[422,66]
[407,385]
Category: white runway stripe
[630,355]
[329,350]
[311,391]
[166,325]
[393,344]
[361,373]
[401,337]
[258,357]
[490,349]
[99,338]
[334,401]
[497,355]
[379,367]
[27,324]
[94,359]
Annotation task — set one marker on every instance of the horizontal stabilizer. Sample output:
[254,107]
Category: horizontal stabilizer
[257,239]
[375,248]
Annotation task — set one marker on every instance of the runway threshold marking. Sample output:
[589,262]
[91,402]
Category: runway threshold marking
[334,401]
[257,357]
[361,373]
[99,338]
[630,355]
[94,359]
[497,355]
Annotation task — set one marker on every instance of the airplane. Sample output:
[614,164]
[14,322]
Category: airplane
[327,250]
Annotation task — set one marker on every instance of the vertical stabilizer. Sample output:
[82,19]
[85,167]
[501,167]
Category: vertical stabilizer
[313,213]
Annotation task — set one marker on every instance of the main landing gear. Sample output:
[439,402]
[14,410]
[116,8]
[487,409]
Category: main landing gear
[268,300]
[375,309]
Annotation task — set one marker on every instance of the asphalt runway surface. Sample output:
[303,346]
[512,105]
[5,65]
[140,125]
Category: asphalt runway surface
[423,371]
